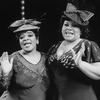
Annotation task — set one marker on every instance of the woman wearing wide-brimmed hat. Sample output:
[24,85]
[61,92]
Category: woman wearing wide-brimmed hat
[74,62]
[24,73]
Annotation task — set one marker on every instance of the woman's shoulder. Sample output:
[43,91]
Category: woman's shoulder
[43,54]
[14,54]
[89,43]
[54,46]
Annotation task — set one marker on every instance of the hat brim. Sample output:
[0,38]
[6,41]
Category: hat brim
[26,27]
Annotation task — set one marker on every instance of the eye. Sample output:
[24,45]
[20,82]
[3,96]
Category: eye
[21,37]
[66,24]
[30,35]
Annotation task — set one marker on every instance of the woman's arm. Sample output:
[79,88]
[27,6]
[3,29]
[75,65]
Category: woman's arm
[6,69]
[91,70]
[6,64]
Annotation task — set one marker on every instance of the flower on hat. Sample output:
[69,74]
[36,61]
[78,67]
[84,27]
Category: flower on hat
[79,16]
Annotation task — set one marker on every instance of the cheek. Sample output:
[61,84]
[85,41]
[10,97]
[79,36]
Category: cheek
[63,32]
[63,28]
[33,41]
[76,36]
[20,43]
[77,32]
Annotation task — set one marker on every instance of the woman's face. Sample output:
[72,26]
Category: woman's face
[28,41]
[69,32]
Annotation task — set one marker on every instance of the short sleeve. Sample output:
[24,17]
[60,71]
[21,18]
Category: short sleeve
[95,52]
[53,48]
[92,51]
[50,50]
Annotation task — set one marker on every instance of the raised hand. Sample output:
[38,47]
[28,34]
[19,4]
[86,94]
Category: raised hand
[6,64]
[78,57]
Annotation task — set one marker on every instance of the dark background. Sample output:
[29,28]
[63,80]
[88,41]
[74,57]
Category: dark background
[10,10]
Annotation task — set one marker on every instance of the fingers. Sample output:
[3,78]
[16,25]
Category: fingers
[73,53]
[4,56]
[83,48]
[77,57]
[81,51]
[11,60]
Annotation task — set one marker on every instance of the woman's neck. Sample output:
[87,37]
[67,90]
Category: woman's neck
[71,42]
[33,57]
[29,53]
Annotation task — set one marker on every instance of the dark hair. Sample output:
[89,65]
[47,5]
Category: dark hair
[84,29]
[36,32]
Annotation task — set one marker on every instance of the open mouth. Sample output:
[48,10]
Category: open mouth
[27,44]
[69,33]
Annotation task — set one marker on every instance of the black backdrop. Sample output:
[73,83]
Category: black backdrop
[10,10]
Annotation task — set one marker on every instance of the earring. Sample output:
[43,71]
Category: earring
[37,42]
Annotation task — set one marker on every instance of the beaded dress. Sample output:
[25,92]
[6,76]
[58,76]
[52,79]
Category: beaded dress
[26,81]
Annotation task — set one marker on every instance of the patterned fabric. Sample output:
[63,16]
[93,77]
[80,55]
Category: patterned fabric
[26,81]
[71,82]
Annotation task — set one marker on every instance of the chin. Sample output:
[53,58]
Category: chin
[70,40]
[27,50]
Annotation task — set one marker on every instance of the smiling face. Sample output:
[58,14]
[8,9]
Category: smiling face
[70,32]
[28,41]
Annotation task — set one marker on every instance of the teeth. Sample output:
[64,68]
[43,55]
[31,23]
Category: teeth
[27,43]
[72,33]
[69,33]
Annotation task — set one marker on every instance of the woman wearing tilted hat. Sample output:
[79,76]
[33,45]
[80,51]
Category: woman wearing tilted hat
[74,62]
[24,73]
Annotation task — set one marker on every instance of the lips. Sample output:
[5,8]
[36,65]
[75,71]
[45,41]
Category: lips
[27,44]
[69,33]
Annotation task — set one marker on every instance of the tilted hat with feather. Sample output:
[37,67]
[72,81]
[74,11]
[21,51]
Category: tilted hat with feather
[25,24]
[79,16]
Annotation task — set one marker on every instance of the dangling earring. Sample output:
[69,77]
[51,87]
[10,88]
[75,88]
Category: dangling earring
[37,42]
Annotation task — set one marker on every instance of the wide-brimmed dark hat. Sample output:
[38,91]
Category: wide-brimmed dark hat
[24,25]
[81,17]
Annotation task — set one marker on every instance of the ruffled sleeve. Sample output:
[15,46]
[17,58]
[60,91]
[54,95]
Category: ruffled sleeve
[51,50]
[92,52]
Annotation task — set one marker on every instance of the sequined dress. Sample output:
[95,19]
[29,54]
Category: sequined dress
[71,83]
[26,81]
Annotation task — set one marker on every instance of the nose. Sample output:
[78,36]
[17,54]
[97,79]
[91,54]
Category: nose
[25,38]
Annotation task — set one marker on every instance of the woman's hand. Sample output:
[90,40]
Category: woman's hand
[92,70]
[78,57]
[6,64]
